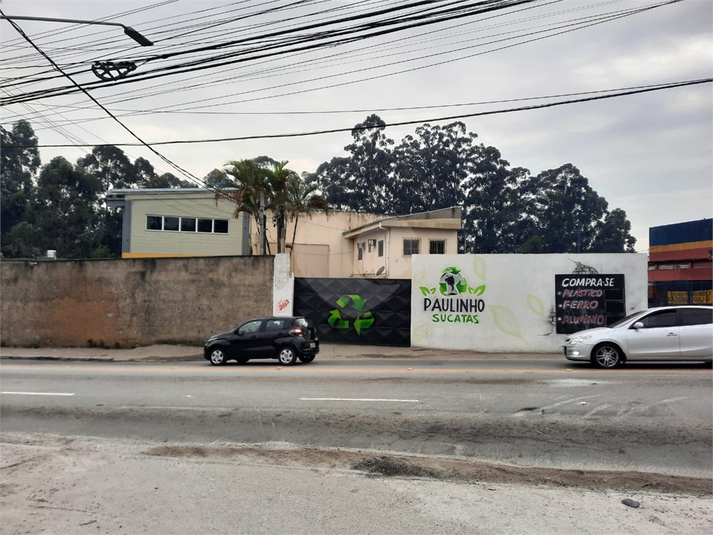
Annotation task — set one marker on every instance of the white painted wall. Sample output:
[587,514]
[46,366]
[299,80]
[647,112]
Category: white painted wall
[518,299]
[283,286]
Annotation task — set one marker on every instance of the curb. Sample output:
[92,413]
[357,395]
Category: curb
[103,359]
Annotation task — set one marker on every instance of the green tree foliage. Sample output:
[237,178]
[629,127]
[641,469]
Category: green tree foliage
[66,214]
[361,181]
[116,171]
[613,234]
[567,213]
[19,164]
[505,210]
[431,168]
[111,165]
[245,185]
[331,179]
[214,179]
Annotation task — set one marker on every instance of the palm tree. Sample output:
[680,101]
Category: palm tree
[303,198]
[254,187]
[247,186]
[278,179]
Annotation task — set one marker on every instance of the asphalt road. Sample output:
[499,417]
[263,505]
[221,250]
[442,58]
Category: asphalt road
[542,412]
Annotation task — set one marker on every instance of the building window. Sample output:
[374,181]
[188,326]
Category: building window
[170,223]
[410,246]
[381,247]
[360,251]
[188,224]
[437,247]
[220,226]
[154,222]
[674,266]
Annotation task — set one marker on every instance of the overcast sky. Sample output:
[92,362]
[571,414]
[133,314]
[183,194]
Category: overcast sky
[649,154]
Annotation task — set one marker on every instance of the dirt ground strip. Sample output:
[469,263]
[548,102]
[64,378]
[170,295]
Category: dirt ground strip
[447,469]
[393,465]
[52,484]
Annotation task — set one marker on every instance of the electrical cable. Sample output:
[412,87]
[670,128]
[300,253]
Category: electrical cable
[611,17]
[142,142]
[649,89]
[318,43]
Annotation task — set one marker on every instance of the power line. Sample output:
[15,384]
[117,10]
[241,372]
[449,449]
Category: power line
[131,113]
[142,142]
[311,41]
[641,90]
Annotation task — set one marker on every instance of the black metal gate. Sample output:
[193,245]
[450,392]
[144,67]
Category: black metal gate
[357,311]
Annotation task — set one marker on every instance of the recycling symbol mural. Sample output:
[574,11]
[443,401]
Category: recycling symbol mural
[347,304]
[452,283]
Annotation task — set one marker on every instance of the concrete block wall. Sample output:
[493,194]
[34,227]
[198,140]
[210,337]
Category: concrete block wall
[131,302]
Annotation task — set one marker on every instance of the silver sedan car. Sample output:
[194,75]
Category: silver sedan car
[665,333]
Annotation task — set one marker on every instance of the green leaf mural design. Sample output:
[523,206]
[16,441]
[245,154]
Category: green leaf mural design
[479,267]
[427,291]
[480,290]
[420,333]
[506,321]
[536,305]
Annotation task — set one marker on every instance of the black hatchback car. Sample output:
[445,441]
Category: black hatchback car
[285,338]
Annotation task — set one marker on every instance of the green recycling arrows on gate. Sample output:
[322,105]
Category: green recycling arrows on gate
[362,322]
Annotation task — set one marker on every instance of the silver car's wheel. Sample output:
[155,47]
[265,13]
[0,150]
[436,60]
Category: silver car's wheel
[286,356]
[217,357]
[607,356]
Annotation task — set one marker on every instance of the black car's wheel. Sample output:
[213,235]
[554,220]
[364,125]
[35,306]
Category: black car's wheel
[217,357]
[307,358]
[287,356]
[607,356]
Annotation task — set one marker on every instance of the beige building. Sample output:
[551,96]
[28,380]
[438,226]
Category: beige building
[189,222]
[178,222]
[352,244]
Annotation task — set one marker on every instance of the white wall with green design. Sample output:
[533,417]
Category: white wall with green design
[507,303]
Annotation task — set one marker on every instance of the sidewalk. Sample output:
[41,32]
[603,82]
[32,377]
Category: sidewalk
[174,353]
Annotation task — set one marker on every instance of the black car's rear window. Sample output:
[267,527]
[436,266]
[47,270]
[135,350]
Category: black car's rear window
[303,322]
[275,325]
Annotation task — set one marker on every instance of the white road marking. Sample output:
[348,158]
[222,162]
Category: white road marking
[38,393]
[361,399]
